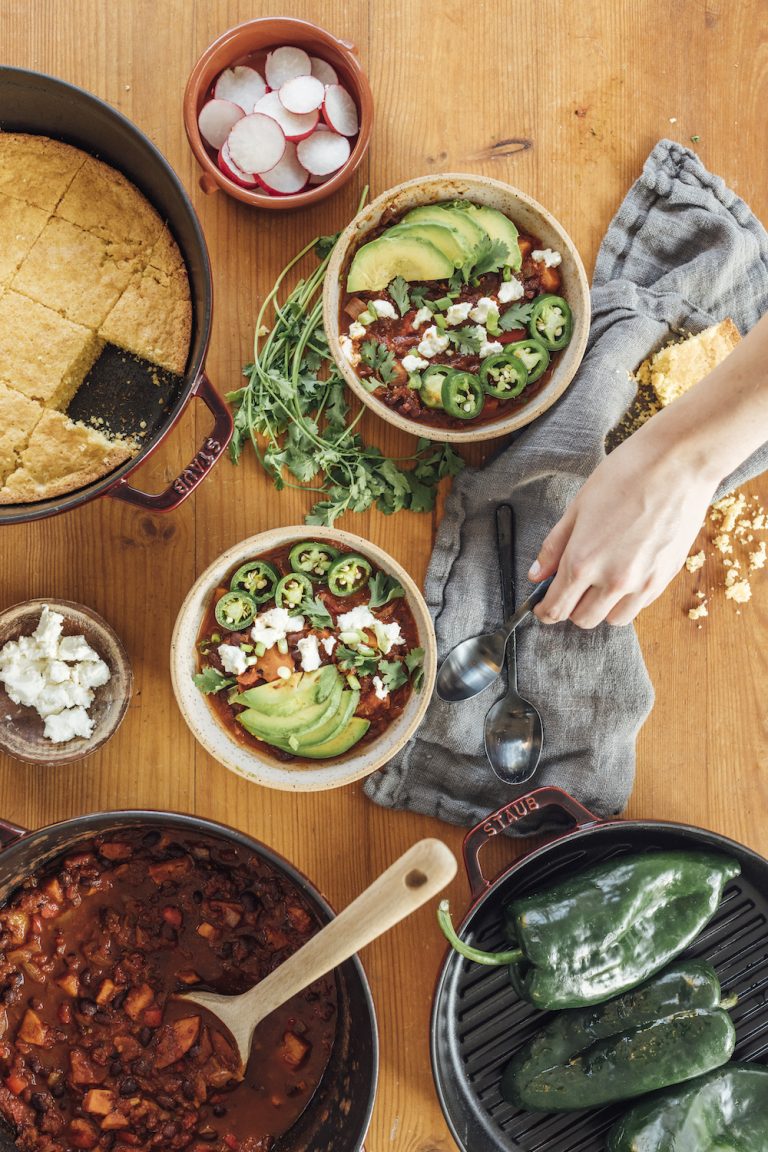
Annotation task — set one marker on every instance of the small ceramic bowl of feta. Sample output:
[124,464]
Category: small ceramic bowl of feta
[65,681]
[303,658]
[456,307]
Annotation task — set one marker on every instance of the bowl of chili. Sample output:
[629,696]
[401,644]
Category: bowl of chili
[103,919]
[456,307]
[303,658]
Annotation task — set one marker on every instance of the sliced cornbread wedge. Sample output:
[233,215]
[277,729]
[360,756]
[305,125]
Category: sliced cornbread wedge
[18,417]
[37,169]
[677,367]
[102,201]
[20,226]
[152,319]
[41,354]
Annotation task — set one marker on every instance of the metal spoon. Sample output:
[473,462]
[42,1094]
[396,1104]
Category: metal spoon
[414,878]
[473,665]
[513,728]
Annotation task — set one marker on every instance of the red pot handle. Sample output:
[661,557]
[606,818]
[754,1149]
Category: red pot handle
[10,832]
[510,814]
[185,483]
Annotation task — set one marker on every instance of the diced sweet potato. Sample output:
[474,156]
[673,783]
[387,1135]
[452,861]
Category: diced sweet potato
[230,913]
[106,991]
[153,1017]
[114,850]
[170,869]
[293,1050]
[69,983]
[114,1121]
[299,917]
[54,889]
[224,1050]
[128,1047]
[137,1000]
[99,1101]
[176,1039]
[188,976]
[81,1070]
[172,916]
[15,1083]
[17,923]
[82,1134]
[32,1029]
[207,931]
[276,939]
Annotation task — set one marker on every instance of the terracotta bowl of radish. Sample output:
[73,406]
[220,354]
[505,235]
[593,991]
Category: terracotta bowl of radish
[278,113]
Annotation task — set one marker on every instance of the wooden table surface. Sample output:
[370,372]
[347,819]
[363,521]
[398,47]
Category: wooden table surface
[562,100]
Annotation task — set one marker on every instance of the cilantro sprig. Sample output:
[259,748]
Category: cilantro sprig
[398,290]
[382,588]
[380,359]
[211,680]
[293,410]
[515,317]
[467,340]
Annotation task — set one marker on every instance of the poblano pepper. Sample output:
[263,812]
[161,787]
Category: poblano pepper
[606,929]
[724,1111]
[670,1029]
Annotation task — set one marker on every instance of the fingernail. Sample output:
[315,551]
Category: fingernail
[534,571]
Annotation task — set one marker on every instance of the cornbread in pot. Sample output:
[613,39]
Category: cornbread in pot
[85,262]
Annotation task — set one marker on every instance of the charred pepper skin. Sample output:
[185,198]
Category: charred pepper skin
[668,1030]
[612,926]
[724,1111]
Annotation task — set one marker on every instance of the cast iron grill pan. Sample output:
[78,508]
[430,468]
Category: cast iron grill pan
[479,1022]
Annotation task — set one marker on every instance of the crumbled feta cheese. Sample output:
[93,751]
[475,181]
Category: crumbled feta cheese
[91,674]
[283,672]
[490,348]
[63,726]
[379,688]
[24,682]
[547,256]
[356,329]
[348,349]
[356,619]
[510,290]
[383,309]
[414,363]
[458,313]
[432,342]
[233,659]
[275,625]
[329,643]
[56,697]
[387,635]
[76,648]
[693,563]
[484,308]
[48,632]
[423,316]
[58,671]
[309,653]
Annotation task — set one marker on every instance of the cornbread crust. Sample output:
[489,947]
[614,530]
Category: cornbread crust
[76,273]
[20,226]
[18,417]
[37,169]
[153,318]
[677,367]
[102,201]
[61,456]
[43,355]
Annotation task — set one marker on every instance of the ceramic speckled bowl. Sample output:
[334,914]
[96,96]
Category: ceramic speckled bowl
[530,217]
[245,760]
[21,729]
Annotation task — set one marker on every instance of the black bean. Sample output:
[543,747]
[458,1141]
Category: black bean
[115,1068]
[174,850]
[128,1086]
[119,999]
[102,1018]
[249,901]
[150,839]
[219,1110]
[56,1089]
[197,896]
[207,1134]
[87,1006]
[85,976]
[36,1004]
[166,1101]
[188,1090]
[145,1036]
[35,1065]
[39,1102]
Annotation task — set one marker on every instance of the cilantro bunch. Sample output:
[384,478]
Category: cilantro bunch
[293,410]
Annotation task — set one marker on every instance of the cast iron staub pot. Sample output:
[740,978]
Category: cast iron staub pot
[337,1117]
[479,1021]
[42,105]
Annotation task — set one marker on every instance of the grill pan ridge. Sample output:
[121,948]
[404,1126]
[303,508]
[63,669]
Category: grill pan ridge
[479,1021]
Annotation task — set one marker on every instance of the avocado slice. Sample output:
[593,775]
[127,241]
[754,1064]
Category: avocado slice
[332,727]
[339,744]
[444,214]
[449,240]
[377,263]
[498,226]
[296,692]
[278,729]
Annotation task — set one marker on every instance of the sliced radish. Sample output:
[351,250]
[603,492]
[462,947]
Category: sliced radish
[294,127]
[283,64]
[256,143]
[302,94]
[230,169]
[217,119]
[241,85]
[340,110]
[323,70]
[321,153]
[287,176]
[322,179]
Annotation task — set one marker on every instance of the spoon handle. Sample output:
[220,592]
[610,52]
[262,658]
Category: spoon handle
[505,541]
[417,876]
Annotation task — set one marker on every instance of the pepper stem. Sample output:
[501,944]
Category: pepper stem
[729,1002]
[493,959]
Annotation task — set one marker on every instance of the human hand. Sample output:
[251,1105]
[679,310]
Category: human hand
[623,537]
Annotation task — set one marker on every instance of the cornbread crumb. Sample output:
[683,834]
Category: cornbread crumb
[723,542]
[729,509]
[758,558]
[741,591]
[677,367]
[698,612]
[693,563]
[700,596]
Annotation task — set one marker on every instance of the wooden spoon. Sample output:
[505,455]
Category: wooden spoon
[419,874]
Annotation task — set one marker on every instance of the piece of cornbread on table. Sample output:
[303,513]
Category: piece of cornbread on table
[37,169]
[153,319]
[20,226]
[76,273]
[61,456]
[102,201]
[41,354]
[18,416]
[677,367]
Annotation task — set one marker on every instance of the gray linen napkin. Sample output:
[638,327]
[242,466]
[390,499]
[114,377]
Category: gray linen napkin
[683,251]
